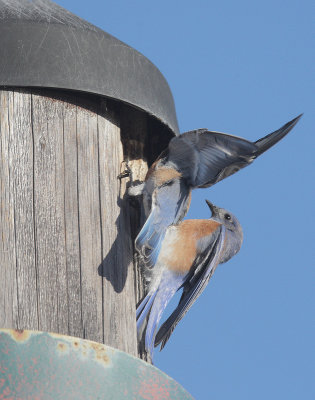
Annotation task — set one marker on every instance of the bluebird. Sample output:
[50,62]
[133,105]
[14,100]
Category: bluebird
[195,159]
[189,255]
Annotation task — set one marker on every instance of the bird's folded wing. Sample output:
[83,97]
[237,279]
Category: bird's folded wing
[195,283]
[169,205]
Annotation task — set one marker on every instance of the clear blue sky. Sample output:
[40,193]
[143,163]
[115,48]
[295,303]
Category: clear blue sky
[245,68]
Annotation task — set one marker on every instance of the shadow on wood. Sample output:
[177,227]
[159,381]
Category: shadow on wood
[117,276]
[64,213]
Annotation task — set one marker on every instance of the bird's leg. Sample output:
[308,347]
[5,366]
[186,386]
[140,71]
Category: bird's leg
[126,173]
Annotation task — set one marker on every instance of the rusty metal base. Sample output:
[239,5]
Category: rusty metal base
[41,365]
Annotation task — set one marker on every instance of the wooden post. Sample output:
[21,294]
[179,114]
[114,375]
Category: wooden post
[66,225]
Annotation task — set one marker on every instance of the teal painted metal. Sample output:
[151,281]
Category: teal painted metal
[46,366]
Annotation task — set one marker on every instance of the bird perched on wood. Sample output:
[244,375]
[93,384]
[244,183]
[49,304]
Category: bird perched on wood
[196,159]
[189,255]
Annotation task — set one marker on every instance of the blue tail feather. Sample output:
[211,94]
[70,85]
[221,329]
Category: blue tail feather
[142,305]
[154,304]
[144,309]
[161,301]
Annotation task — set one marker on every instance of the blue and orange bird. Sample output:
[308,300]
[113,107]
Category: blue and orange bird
[195,159]
[190,253]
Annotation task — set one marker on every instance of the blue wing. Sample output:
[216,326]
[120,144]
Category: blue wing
[205,157]
[153,305]
[194,284]
[169,205]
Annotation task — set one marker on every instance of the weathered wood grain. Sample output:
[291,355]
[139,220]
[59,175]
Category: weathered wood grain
[67,226]
[135,138]
[21,163]
[8,292]
[117,266]
[89,224]
[71,216]
[47,123]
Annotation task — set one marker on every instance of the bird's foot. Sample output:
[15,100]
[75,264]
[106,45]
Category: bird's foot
[126,173]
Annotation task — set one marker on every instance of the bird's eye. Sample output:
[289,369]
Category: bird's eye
[227,216]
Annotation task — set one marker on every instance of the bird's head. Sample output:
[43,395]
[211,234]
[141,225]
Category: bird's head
[224,217]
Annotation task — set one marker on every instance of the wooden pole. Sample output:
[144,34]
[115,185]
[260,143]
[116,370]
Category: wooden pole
[66,225]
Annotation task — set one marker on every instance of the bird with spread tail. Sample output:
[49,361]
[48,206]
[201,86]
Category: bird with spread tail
[190,253]
[195,159]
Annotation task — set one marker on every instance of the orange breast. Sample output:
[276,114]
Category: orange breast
[180,244]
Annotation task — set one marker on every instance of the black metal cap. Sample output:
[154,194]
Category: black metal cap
[44,45]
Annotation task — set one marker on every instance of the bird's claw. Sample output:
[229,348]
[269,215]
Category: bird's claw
[126,173]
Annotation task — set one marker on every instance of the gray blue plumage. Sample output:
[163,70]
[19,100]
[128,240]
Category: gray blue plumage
[196,159]
[190,252]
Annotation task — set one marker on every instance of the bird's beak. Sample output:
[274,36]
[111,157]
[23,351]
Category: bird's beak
[211,206]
